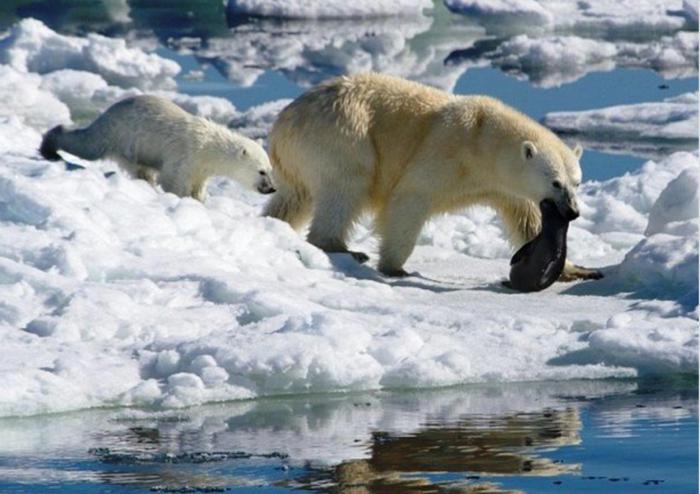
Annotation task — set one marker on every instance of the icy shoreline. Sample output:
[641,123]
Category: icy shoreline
[113,293]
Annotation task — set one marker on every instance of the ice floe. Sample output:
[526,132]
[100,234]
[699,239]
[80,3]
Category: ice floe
[619,17]
[210,302]
[645,129]
[554,60]
[114,293]
[336,9]
[31,46]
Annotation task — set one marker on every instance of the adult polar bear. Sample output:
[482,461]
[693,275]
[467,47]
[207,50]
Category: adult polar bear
[154,139]
[406,152]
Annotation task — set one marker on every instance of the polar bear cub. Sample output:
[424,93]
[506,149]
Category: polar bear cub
[156,140]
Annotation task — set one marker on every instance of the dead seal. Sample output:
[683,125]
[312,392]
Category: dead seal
[540,262]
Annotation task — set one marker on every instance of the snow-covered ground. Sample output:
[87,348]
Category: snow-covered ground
[114,293]
[644,129]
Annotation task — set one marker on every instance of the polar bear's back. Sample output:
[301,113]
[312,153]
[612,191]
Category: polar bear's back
[144,129]
[364,118]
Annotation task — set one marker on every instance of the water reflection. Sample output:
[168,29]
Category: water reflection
[456,441]
[481,445]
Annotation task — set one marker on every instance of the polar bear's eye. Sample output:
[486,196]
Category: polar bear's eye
[262,173]
[556,184]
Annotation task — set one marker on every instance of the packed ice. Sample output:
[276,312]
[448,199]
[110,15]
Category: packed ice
[115,293]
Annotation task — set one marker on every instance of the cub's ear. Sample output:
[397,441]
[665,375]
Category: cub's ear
[529,150]
[578,151]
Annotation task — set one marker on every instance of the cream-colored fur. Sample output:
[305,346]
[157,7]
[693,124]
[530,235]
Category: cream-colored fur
[155,140]
[405,152]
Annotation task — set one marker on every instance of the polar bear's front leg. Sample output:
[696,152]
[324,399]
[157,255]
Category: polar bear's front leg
[399,224]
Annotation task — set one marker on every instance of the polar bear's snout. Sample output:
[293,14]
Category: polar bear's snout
[264,183]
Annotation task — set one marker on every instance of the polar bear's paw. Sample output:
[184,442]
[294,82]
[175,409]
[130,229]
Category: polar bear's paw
[572,272]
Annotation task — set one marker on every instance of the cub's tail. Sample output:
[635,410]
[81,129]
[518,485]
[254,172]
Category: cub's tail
[49,145]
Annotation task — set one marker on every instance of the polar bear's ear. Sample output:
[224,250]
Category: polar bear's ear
[529,150]
[578,151]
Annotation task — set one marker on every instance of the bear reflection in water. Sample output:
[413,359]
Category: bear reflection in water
[479,446]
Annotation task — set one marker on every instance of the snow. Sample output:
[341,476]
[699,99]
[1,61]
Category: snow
[115,293]
[645,129]
[336,9]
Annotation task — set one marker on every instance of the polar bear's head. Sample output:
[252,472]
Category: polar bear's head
[552,172]
[251,165]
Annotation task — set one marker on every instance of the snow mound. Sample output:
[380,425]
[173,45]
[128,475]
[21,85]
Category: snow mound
[678,202]
[300,9]
[665,264]
[642,129]
[22,98]
[30,46]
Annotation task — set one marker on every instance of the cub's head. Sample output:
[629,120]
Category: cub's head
[553,172]
[252,165]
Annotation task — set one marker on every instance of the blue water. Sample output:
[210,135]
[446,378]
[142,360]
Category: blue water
[577,437]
